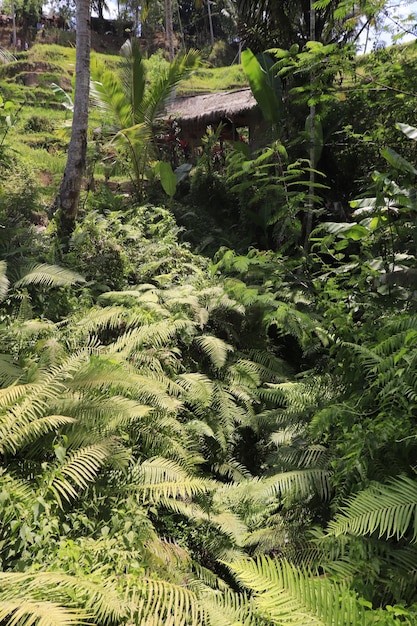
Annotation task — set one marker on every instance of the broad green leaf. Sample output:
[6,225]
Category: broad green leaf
[265,87]
[397,161]
[168,178]
[356,232]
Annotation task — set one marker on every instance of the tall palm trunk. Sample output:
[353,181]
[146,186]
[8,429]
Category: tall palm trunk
[69,193]
[169,29]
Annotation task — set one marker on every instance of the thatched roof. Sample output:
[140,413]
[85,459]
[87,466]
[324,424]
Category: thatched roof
[210,107]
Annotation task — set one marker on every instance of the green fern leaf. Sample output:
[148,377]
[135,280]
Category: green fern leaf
[48,275]
[216,349]
[25,612]
[287,595]
[99,600]
[4,282]
[79,469]
[390,510]
[301,482]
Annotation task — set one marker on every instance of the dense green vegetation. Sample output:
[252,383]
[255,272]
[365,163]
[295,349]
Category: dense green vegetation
[204,418]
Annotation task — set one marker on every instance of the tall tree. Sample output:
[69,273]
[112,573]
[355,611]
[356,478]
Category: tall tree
[169,28]
[70,189]
[282,23]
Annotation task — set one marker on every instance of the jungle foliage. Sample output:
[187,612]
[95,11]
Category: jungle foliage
[224,438]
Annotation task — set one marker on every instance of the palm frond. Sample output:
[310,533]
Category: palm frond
[133,78]
[107,94]
[159,92]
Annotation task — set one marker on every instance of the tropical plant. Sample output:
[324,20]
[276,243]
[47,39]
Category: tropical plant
[262,24]
[134,106]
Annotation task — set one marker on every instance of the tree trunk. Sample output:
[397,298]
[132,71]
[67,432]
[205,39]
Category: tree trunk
[312,132]
[210,23]
[69,193]
[169,30]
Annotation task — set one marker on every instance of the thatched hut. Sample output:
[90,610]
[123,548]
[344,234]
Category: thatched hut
[233,109]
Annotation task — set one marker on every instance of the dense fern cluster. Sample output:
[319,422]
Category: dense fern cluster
[225,443]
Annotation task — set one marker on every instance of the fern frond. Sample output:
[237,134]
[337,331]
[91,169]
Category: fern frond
[216,349]
[26,433]
[302,483]
[161,478]
[230,609]
[233,470]
[160,602]
[78,469]
[271,368]
[152,335]
[168,552]
[198,389]
[245,373]
[10,372]
[99,600]
[48,275]
[110,317]
[287,595]
[25,612]
[390,510]
[267,539]
[4,281]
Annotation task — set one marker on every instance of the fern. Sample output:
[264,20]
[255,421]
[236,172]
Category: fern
[287,595]
[216,349]
[389,510]
[78,469]
[48,275]
[302,483]
[91,599]
[4,281]
[162,478]
[24,612]
[159,601]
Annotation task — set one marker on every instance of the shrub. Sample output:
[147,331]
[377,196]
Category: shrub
[221,54]
[38,124]
[18,191]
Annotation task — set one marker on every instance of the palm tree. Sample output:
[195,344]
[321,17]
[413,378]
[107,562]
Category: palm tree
[70,189]
[268,23]
[133,105]
[169,28]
